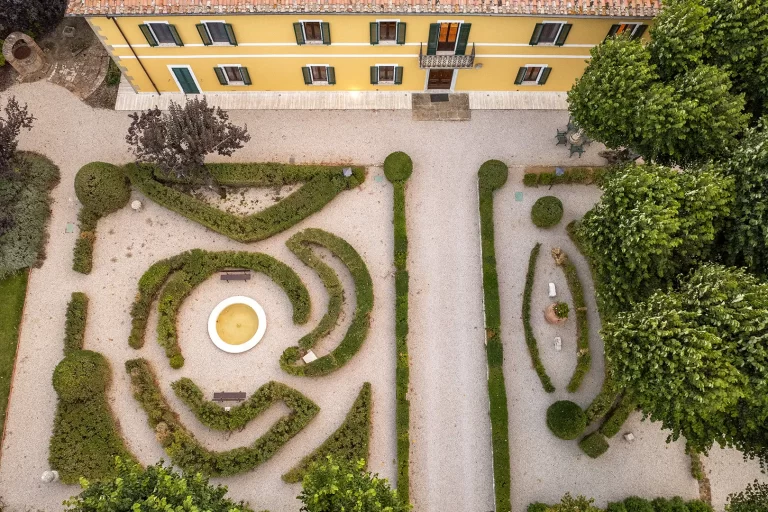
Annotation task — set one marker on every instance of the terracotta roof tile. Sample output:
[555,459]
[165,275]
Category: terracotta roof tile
[644,8]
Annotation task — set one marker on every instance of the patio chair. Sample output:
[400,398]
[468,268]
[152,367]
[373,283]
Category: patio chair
[572,126]
[576,148]
[562,138]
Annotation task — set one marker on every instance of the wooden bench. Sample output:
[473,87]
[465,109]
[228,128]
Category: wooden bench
[235,275]
[229,396]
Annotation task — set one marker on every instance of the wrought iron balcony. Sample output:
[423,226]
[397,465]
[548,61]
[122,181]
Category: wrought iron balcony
[446,61]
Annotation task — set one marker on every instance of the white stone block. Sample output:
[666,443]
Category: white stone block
[309,357]
[629,437]
[552,290]
[558,343]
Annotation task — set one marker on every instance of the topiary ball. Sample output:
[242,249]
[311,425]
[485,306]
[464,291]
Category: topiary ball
[398,167]
[102,187]
[594,445]
[493,174]
[547,211]
[566,419]
[80,376]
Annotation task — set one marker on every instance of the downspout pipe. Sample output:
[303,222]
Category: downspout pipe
[117,25]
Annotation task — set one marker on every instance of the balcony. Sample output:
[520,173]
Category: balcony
[446,61]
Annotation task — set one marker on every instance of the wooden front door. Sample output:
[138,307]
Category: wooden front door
[440,79]
[446,41]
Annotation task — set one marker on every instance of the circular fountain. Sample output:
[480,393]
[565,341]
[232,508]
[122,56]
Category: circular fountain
[237,324]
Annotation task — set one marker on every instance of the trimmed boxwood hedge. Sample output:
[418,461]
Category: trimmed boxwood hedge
[398,167]
[530,338]
[571,176]
[213,415]
[583,356]
[74,329]
[349,442]
[491,176]
[321,185]
[358,329]
[619,415]
[187,453]
[636,504]
[594,445]
[547,211]
[566,419]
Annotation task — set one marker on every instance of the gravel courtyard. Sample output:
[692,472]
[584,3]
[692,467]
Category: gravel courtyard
[450,429]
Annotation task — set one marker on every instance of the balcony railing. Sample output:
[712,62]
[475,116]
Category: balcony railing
[446,61]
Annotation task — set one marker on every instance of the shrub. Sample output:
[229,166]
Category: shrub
[617,418]
[187,453]
[700,506]
[358,329]
[74,329]
[594,445]
[530,338]
[547,211]
[321,185]
[570,176]
[675,504]
[583,357]
[616,506]
[561,310]
[636,504]
[102,188]
[81,376]
[492,175]
[398,167]
[538,507]
[566,419]
[349,442]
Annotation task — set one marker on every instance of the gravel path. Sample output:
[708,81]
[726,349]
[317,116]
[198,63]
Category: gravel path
[451,461]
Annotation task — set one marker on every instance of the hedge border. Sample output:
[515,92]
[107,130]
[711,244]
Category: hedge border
[583,355]
[398,177]
[571,176]
[319,189]
[76,317]
[349,442]
[492,176]
[215,417]
[530,338]
[358,329]
[594,445]
[187,453]
[618,416]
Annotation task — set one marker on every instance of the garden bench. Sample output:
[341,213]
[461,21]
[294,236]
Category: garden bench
[236,275]
[229,396]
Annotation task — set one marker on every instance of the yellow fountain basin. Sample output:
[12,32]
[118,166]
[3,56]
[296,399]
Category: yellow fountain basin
[237,324]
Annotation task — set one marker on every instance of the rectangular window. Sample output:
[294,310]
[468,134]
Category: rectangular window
[549,33]
[446,41]
[633,30]
[162,33]
[232,74]
[313,32]
[386,74]
[627,28]
[319,74]
[387,31]
[533,74]
[217,31]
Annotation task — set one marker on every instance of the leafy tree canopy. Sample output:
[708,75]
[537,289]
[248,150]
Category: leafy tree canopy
[34,17]
[752,499]
[156,488]
[695,359]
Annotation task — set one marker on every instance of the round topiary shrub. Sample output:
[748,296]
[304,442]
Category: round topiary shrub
[80,376]
[547,211]
[566,419]
[102,187]
[398,167]
[493,174]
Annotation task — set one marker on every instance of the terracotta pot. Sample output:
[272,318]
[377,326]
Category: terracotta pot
[551,317]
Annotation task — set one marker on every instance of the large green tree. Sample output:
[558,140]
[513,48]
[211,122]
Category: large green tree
[154,489]
[752,499]
[333,486]
[650,224]
[696,358]
[35,17]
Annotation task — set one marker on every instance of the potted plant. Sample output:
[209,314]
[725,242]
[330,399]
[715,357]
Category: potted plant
[557,313]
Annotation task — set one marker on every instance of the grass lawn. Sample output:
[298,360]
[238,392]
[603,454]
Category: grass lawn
[12,290]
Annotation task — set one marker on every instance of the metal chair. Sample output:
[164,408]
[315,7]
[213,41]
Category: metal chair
[562,138]
[572,126]
[576,148]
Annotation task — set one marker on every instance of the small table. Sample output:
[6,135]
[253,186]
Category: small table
[576,138]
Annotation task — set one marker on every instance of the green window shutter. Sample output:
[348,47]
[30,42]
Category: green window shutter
[325,29]
[536,34]
[544,75]
[204,34]
[612,32]
[563,35]
[230,34]
[374,32]
[221,76]
[639,31]
[299,31]
[374,75]
[461,40]
[520,76]
[148,34]
[331,75]
[398,75]
[400,33]
[246,76]
[307,75]
[434,33]
[175,35]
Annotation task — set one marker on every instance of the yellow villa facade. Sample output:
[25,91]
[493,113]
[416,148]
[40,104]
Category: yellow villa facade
[214,46]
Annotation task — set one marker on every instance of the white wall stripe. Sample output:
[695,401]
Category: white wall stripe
[344,55]
[501,45]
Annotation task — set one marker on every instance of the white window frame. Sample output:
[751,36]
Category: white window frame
[397,30]
[192,73]
[378,74]
[455,43]
[304,32]
[149,24]
[229,82]
[538,77]
[634,29]
[310,66]
[561,23]
[214,43]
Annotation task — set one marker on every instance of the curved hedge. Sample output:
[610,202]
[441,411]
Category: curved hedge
[583,356]
[187,453]
[321,185]
[530,338]
[547,211]
[358,329]
[613,423]
[349,442]
[398,167]
[566,419]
